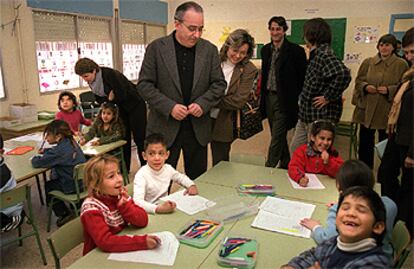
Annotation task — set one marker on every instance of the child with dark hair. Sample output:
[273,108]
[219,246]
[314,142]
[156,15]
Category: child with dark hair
[318,156]
[361,226]
[107,127]
[353,173]
[61,159]
[152,181]
[10,217]
[68,111]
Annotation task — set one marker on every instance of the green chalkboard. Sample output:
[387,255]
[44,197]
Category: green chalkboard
[338,27]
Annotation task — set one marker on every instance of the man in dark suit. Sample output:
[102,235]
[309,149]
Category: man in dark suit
[181,79]
[283,73]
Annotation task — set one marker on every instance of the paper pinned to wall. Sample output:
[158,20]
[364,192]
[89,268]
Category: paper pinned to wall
[165,254]
[365,34]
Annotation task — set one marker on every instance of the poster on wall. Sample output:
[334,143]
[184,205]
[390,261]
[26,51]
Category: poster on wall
[353,58]
[133,55]
[365,34]
[100,52]
[55,62]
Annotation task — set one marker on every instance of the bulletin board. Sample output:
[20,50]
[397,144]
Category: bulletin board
[338,28]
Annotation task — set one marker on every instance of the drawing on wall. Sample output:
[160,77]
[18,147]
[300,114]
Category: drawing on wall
[352,58]
[224,34]
[365,34]
[133,55]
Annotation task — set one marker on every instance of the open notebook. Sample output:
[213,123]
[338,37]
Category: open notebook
[189,204]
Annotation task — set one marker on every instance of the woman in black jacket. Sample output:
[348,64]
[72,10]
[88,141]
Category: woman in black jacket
[111,85]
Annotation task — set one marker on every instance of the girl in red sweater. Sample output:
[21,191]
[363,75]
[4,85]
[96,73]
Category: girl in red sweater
[318,156]
[68,112]
[108,210]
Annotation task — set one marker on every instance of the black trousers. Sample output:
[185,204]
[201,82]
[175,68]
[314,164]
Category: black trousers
[220,151]
[401,193]
[195,155]
[367,143]
[135,121]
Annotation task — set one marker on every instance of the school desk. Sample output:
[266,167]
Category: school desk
[23,129]
[231,174]
[274,248]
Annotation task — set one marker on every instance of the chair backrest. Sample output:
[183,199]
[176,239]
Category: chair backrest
[78,175]
[400,241]
[65,239]
[87,96]
[248,159]
[14,196]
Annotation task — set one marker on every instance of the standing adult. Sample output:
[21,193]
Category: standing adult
[375,87]
[111,85]
[181,79]
[325,80]
[399,152]
[239,72]
[283,73]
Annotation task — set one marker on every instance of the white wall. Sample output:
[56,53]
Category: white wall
[20,73]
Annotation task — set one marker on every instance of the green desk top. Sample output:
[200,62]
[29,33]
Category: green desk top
[275,249]
[231,174]
[27,126]
[187,256]
[102,149]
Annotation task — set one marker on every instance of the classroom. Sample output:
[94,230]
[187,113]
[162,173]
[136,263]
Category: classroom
[41,40]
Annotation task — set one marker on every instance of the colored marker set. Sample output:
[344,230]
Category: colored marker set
[260,189]
[239,252]
[200,233]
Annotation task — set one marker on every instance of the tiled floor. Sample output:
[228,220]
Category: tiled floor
[28,255]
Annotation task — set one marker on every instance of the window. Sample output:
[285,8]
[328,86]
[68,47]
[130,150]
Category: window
[133,48]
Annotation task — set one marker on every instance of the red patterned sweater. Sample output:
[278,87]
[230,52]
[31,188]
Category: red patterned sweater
[306,160]
[102,219]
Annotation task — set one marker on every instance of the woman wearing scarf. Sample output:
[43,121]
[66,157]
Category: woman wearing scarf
[111,85]
[399,152]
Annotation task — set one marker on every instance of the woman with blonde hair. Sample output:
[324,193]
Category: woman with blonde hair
[239,72]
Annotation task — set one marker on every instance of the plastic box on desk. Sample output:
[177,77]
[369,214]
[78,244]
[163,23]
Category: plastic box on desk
[46,115]
[232,207]
[23,111]
[256,189]
[205,237]
[237,251]
[6,122]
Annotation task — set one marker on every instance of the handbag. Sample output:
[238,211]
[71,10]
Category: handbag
[248,120]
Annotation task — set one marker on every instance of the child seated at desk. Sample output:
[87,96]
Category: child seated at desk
[62,159]
[361,225]
[152,181]
[108,210]
[13,216]
[353,173]
[106,128]
[68,112]
[318,156]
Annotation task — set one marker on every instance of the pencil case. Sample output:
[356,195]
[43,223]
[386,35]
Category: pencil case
[238,252]
[256,189]
[232,207]
[200,233]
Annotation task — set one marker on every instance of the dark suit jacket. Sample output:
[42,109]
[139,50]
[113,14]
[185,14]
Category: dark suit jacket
[290,74]
[159,85]
[237,95]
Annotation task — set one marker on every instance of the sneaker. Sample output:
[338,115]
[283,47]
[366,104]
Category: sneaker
[64,219]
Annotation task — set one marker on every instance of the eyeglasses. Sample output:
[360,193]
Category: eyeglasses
[193,28]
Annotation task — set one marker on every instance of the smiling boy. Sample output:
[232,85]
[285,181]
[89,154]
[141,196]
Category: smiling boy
[361,224]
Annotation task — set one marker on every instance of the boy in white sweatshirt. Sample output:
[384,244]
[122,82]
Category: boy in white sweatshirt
[153,179]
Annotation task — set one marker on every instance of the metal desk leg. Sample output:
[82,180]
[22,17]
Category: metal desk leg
[39,189]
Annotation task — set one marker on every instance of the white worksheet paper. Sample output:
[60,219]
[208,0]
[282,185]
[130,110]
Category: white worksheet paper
[165,254]
[313,184]
[189,204]
[280,215]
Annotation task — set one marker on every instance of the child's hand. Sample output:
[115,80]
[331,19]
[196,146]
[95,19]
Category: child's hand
[153,241]
[309,223]
[41,151]
[166,207]
[330,204]
[325,157]
[304,181]
[316,266]
[123,196]
[82,141]
[192,190]
[286,266]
